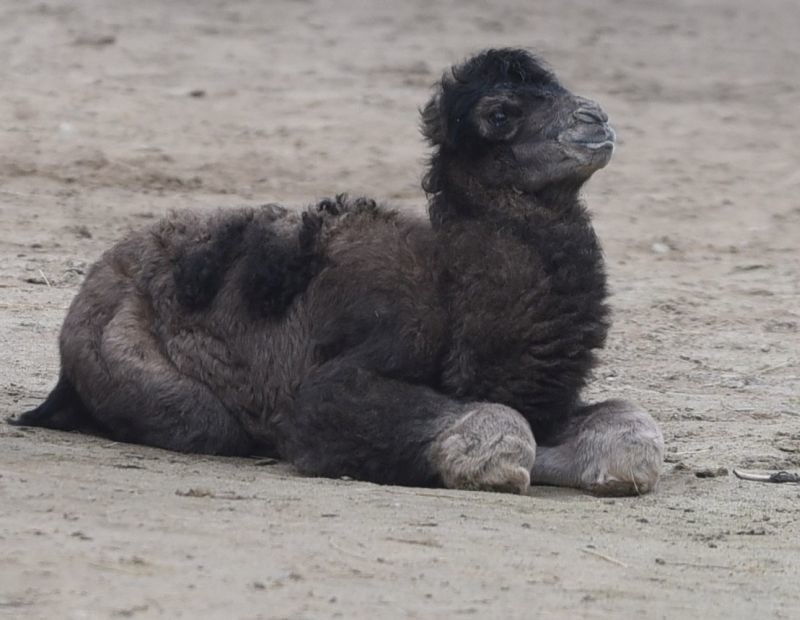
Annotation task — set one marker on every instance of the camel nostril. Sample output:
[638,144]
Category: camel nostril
[591,115]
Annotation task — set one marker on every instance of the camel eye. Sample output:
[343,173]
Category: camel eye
[498,118]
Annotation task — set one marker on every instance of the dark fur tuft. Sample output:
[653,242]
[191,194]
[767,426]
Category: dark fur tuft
[443,118]
[342,204]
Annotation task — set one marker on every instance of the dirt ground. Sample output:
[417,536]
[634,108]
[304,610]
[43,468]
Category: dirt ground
[111,113]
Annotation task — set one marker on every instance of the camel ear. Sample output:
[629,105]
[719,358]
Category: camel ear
[433,121]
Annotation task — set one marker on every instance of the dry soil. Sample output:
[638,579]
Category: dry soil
[112,113]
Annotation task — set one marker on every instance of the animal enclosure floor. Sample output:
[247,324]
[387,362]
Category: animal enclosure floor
[114,113]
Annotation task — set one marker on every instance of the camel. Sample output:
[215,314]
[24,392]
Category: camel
[353,340]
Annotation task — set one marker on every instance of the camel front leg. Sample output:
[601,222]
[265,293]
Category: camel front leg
[348,421]
[609,448]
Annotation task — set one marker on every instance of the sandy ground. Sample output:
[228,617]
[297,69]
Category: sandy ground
[112,113]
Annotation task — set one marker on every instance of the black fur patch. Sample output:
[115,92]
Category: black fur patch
[200,269]
[276,270]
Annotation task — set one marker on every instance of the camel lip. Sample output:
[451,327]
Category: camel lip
[595,145]
[601,137]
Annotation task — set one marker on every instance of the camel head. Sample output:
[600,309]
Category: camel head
[502,120]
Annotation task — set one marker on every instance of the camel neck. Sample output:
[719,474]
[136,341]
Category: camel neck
[498,209]
[553,227]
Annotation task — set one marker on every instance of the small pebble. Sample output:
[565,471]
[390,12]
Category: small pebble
[711,472]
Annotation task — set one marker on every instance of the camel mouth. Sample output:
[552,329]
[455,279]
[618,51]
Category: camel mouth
[599,138]
[595,145]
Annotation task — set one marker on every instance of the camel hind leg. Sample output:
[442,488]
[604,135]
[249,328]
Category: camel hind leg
[136,394]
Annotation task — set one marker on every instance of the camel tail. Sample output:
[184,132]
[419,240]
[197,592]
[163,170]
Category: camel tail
[63,410]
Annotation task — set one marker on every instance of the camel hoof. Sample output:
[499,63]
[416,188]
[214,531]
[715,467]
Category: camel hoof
[626,455]
[488,448]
